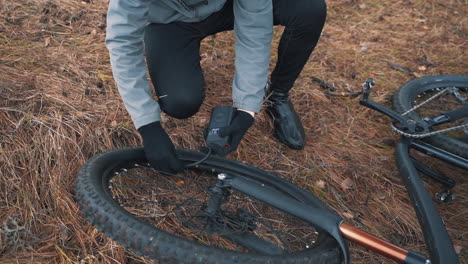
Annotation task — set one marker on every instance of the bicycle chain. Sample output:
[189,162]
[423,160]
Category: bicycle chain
[427,134]
[398,131]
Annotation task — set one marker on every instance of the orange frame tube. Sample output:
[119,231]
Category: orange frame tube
[373,243]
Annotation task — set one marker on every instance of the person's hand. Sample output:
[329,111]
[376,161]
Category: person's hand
[241,122]
[159,149]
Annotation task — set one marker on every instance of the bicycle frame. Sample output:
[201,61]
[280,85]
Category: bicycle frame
[437,240]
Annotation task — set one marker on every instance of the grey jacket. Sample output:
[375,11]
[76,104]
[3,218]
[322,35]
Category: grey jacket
[126,21]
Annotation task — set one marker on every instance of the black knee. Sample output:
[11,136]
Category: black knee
[181,106]
[306,13]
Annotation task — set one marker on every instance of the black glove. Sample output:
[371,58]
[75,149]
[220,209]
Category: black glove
[241,122]
[159,149]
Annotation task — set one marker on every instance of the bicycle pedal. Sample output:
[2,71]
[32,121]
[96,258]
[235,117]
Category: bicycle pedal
[446,197]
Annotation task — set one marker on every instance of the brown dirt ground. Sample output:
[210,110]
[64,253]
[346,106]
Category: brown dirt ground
[59,106]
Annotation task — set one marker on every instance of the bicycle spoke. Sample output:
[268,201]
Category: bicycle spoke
[177,202]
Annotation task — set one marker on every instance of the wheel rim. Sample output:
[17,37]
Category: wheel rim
[452,98]
[175,204]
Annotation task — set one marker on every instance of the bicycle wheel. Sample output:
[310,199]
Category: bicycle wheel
[163,217]
[455,95]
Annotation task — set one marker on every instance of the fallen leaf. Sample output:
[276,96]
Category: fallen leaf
[202,121]
[417,75]
[458,248]
[348,215]
[47,41]
[348,184]
[372,133]
[180,182]
[320,184]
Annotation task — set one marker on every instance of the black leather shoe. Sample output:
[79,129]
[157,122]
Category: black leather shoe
[288,128]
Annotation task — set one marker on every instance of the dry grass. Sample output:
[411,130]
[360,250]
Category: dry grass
[59,106]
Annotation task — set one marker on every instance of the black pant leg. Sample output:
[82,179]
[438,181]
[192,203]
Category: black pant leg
[173,58]
[173,52]
[303,21]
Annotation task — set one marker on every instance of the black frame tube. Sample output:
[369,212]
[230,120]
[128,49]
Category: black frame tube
[437,240]
[384,110]
[440,154]
[444,180]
